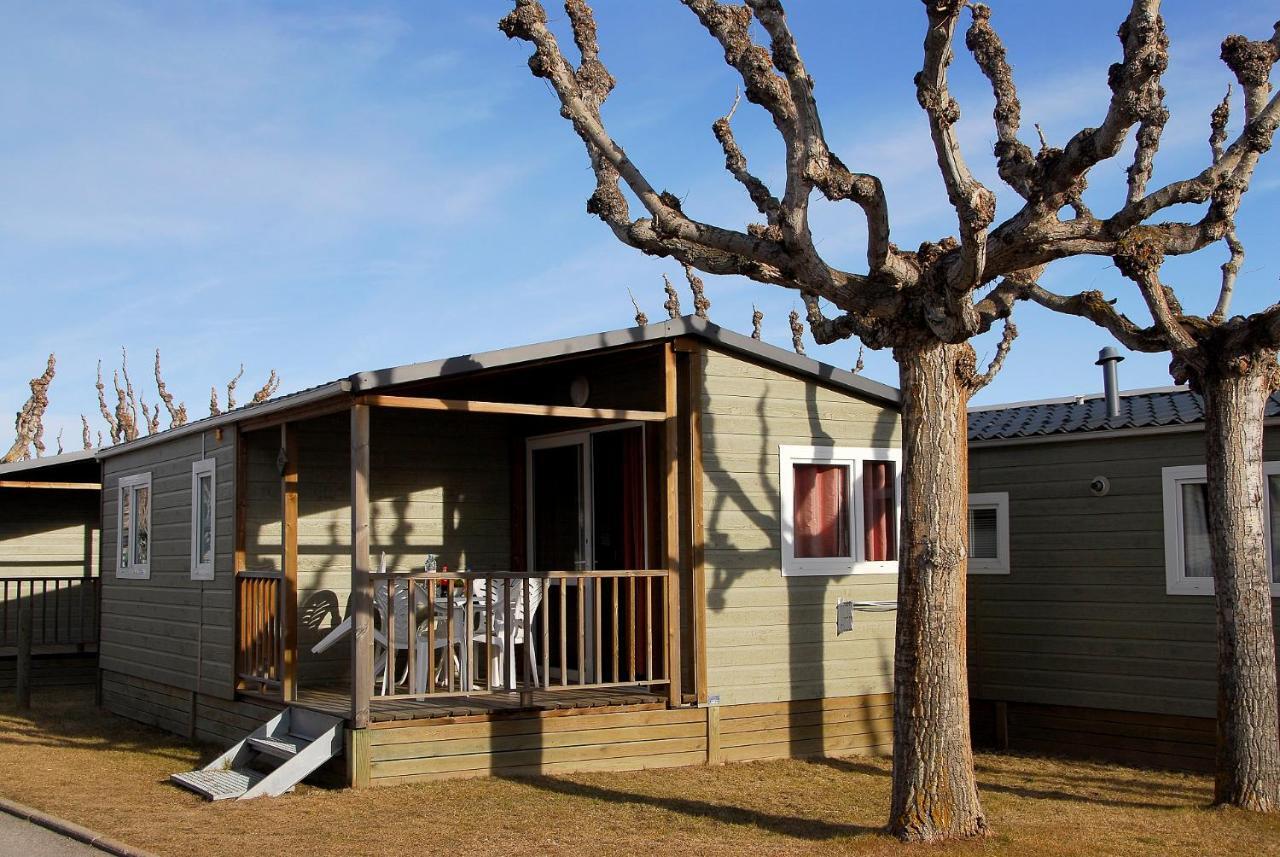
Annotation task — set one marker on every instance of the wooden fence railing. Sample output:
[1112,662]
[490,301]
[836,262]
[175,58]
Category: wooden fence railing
[64,610]
[260,633]
[484,632]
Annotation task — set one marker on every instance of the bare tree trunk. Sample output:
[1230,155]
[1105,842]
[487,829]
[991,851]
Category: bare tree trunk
[1248,763]
[935,795]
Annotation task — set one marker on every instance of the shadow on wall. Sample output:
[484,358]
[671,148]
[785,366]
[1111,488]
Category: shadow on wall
[807,609]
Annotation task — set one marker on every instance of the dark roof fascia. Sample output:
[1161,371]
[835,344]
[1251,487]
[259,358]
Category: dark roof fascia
[47,461]
[333,389]
[364,382]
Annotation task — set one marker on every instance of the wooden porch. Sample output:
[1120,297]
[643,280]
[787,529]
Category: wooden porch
[585,639]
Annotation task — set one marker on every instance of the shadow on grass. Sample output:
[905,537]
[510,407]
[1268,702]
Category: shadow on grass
[67,719]
[785,825]
[1176,798]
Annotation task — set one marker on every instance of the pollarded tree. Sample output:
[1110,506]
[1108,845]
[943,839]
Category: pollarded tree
[28,424]
[1231,362]
[925,304]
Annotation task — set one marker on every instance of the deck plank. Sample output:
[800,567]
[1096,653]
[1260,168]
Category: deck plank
[337,703]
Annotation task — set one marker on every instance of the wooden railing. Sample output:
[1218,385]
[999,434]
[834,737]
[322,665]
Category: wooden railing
[261,633]
[507,631]
[64,610]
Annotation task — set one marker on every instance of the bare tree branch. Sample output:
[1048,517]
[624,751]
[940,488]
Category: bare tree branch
[1095,307]
[976,381]
[672,304]
[975,205]
[85,437]
[177,413]
[214,410]
[641,318]
[700,301]
[757,319]
[28,424]
[267,390]
[797,332]
[1014,160]
[231,389]
[112,424]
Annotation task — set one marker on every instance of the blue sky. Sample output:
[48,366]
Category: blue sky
[324,188]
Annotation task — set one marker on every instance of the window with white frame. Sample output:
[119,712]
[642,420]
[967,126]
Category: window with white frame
[989,533]
[1188,569]
[839,510]
[203,503]
[133,526]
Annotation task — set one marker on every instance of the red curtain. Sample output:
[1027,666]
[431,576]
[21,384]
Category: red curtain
[821,524]
[878,485]
[633,499]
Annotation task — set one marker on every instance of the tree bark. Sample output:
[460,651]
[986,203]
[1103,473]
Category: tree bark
[1248,757]
[935,795]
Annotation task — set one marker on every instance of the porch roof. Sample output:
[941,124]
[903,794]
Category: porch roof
[690,326]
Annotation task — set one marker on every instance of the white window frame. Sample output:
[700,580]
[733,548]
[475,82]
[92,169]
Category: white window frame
[1172,479]
[204,467]
[131,570]
[998,500]
[852,457]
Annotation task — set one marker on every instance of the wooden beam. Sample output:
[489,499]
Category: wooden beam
[361,583]
[428,404]
[322,408]
[671,522]
[289,559]
[69,486]
[698,564]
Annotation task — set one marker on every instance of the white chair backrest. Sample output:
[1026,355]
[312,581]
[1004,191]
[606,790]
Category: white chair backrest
[514,590]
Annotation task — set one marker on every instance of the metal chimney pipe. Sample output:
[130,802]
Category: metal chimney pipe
[1107,359]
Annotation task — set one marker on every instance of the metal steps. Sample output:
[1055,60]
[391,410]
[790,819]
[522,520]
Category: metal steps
[218,785]
[292,745]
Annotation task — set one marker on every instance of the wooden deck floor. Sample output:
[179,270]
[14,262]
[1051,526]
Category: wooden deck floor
[337,702]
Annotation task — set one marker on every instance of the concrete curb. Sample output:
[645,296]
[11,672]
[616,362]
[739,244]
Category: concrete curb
[71,830]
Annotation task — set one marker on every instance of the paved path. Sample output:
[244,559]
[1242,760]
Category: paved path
[20,838]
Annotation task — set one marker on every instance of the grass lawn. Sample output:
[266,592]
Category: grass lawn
[110,774]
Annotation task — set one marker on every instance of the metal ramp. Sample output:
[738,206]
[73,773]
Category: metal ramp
[271,760]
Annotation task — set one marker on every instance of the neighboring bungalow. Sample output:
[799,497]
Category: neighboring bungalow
[660,546]
[1091,615]
[49,513]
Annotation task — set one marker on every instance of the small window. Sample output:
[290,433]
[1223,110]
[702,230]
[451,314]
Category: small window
[133,527]
[989,533]
[839,510]
[203,503]
[1188,566]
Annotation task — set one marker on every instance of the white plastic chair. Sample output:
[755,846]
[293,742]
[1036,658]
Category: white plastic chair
[504,643]
[461,635]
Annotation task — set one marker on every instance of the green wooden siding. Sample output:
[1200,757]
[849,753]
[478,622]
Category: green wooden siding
[171,629]
[1083,618]
[772,638]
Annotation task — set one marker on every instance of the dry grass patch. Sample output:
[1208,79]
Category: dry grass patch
[110,774]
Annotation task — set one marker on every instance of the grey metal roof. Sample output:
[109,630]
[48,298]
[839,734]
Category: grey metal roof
[365,382]
[1163,407]
[686,326]
[34,464]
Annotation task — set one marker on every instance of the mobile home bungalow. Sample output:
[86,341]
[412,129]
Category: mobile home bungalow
[1091,615]
[660,546]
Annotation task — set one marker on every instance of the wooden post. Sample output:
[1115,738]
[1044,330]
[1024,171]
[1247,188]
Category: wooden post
[289,560]
[23,682]
[357,758]
[1002,726]
[714,756]
[361,583]
[239,558]
[671,522]
[697,554]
